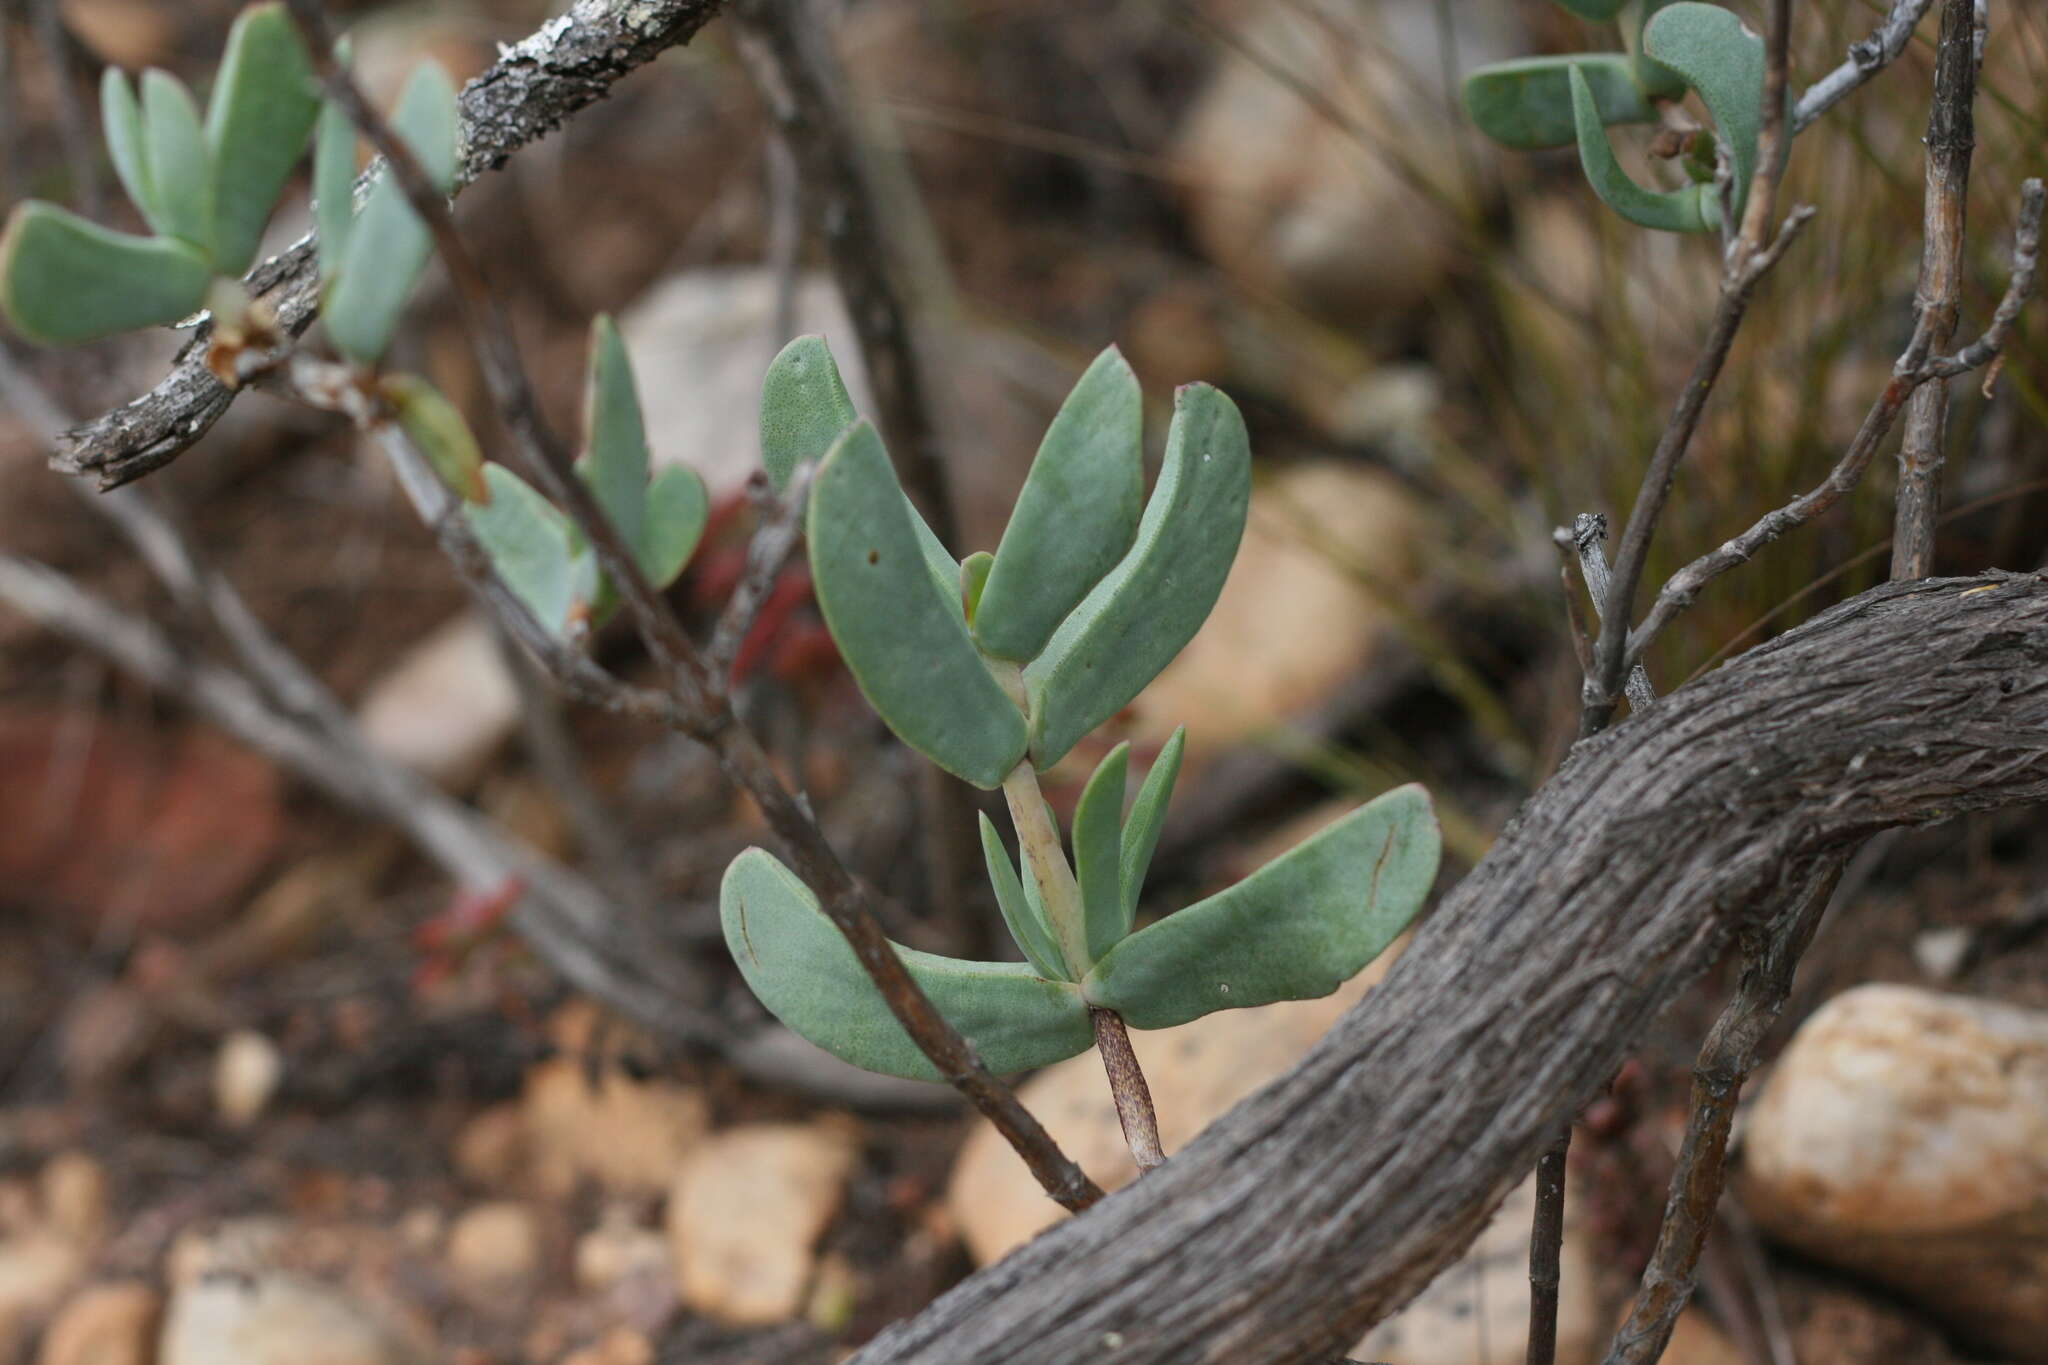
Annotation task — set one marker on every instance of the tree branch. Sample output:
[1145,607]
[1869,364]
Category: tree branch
[1867,57]
[1327,1200]
[1951,137]
[536,86]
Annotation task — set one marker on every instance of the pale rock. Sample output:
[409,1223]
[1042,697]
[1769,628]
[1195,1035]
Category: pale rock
[1903,1135]
[746,1212]
[1328,216]
[618,1249]
[1196,1072]
[490,1150]
[274,1318]
[108,1324]
[36,1268]
[246,1071]
[234,1246]
[495,1246]
[619,1346]
[627,1135]
[716,325]
[445,707]
[1299,615]
[1476,1311]
[73,1189]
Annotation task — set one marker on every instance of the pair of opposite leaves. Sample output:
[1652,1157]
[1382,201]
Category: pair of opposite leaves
[207,191]
[1539,102]
[1092,602]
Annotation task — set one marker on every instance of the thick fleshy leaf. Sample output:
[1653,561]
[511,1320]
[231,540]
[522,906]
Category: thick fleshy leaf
[973,578]
[800,966]
[671,524]
[121,117]
[1657,80]
[1075,517]
[531,547]
[1690,209]
[1028,929]
[334,187]
[1719,57]
[1528,103]
[1135,620]
[1599,11]
[389,245]
[1296,929]
[262,107]
[1098,852]
[436,429]
[614,461]
[804,407]
[64,279]
[898,626]
[1147,818]
[180,170]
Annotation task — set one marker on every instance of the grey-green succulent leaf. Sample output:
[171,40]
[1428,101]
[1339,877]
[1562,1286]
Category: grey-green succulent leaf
[1147,818]
[1296,929]
[531,546]
[973,579]
[334,182]
[121,117]
[436,429]
[65,280]
[800,966]
[614,461]
[804,407]
[1692,208]
[180,168]
[1657,80]
[388,246]
[1599,11]
[1527,103]
[1028,929]
[898,623]
[1098,852]
[1719,57]
[676,509]
[262,107]
[1133,622]
[1075,517]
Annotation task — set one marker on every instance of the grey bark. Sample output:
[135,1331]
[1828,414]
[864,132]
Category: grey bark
[1328,1199]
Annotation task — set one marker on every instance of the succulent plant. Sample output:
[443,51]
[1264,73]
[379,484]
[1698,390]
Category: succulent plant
[1559,101]
[993,668]
[206,189]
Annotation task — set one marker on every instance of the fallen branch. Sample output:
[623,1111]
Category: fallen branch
[1330,1198]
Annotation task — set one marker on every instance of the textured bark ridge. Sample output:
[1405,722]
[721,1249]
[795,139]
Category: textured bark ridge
[1324,1202]
[532,89]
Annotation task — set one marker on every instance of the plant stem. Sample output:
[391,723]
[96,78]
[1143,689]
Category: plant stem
[1045,862]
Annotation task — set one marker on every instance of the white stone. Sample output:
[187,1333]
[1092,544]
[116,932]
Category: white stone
[246,1072]
[273,1318]
[445,707]
[1903,1135]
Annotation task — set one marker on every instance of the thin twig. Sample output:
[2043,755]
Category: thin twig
[774,540]
[1951,137]
[703,709]
[1748,260]
[1726,1059]
[535,86]
[1867,57]
[787,52]
[1546,1248]
[1127,1086]
[1913,369]
[1582,542]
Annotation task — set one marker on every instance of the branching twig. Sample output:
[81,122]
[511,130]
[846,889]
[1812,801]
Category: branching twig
[1951,137]
[702,708]
[1867,57]
[535,86]
[774,540]
[1582,542]
[1726,1059]
[1913,369]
